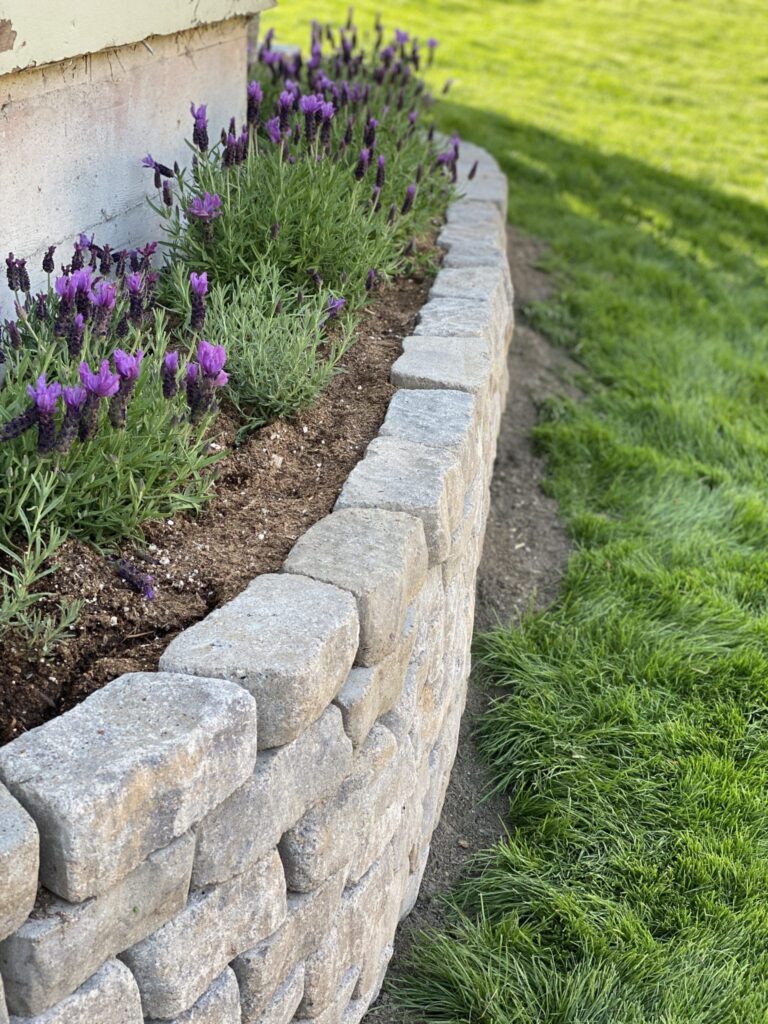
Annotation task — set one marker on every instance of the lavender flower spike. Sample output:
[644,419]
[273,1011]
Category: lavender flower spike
[128,368]
[200,129]
[198,284]
[46,397]
[74,401]
[410,195]
[211,358]
[103,384]
[205,208]
[168,374]
[335,307]
[363,163]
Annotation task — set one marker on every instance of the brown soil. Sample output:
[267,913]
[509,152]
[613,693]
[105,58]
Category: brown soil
[268,492]
[525,552]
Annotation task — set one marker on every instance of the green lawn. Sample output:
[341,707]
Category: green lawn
[631,722]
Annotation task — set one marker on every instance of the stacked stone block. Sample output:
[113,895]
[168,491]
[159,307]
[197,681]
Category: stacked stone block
[233,839]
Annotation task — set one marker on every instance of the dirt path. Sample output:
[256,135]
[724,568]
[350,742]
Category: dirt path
[525,552]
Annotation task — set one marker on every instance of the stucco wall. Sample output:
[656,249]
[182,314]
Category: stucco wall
[73,134]
[35,32]
[233,840]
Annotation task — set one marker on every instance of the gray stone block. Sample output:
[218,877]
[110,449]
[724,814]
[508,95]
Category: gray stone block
[380,557]
[127,771]
[177,963]
[464,318]
[219,1004]
[62,944]
[323,971]
[490,187]
[371,692]
[414,884]
[461,364]
[3,1009]
[260,970]
[286,782]
[19,861]
[359,1006]
[438,419]
[476,214]
[110,996]
[400,476]
[284,1002]
[289,640]
[334,1014]
[334,833]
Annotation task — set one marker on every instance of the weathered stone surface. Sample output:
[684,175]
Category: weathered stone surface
[284,1002]
[260,970]
[110,996]
[127,771]
[219,1004]
[335,1012]
[380,557]
[19,859]
[62,944]
[461,364]
[488,283]
[289,640]
[438,419]
[335,832]
[359,1006]
[488,188]
[287,781]
[3,1009]
[485,216]
[414,884]
[323,971]
[371,692]
[175,965]
[401,476]
[465,318]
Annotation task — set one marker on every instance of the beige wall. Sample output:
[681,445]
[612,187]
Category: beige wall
[35,32]
[72,135]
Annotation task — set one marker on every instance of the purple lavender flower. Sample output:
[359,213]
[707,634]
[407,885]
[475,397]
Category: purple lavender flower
[134,283]
[275,231]
[410,195]
[75,336]
[103,384]
[311,106]
[198,285]
[141,582]
[105,263]
[46,399]
[200,128]
[19,424]
[167,194]
[48,265]
[335,307]
[128,367]
[371,279]
[148,161]
[273,130]
[401,38]
[12,273]
[363,164]
[23,275]
[74,401]
[205,208]
[369,135]
[103,297]
[432,45]
[14,334]
[169,374]
[380,172]
[255,99]
[211,358]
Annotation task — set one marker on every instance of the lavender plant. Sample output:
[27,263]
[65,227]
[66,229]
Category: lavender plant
[92,408]
[332,177]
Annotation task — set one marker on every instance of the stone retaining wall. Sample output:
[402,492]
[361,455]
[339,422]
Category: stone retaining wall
[235,837]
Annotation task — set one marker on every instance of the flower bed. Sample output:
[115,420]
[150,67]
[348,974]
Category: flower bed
[276,239]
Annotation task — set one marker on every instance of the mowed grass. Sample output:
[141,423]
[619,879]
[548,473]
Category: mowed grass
[630,721]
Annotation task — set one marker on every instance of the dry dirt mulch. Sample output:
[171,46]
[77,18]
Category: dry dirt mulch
[269,491]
